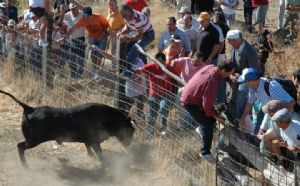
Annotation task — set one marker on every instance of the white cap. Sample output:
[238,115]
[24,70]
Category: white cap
[11,22]
[72,6]
[3,5]
[234,34]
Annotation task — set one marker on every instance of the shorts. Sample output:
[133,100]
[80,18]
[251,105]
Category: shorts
[230,19]
[101,44]
[261,13]
[38,11]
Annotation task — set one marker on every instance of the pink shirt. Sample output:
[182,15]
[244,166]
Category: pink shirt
[187,68]
[202,89]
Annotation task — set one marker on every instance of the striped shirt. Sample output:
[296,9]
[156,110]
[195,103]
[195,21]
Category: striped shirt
[139,21]
[276,93]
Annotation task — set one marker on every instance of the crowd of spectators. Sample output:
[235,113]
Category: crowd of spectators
[192,48]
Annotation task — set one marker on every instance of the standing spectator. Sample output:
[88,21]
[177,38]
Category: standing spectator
[41,8]
[258,92]
[116,23]
[188,67]
[143,35]
[3,13]
[135,90]
[12,11]
[228,8]
[77,41]
[160,97]
[291,17]
[190,31]
[289,129]
[97,27]
[136,5]
[261,7]
[199,6]
[183,12]
[248,12]
[208,39]
[198,98]
[164,41]
[243,55]
[219,20]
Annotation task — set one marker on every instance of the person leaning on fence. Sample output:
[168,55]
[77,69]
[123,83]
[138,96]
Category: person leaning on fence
[97,28]
[243,55]
[198,98]
[116,23]
[41,8]
[188,67]
[289,130]
[160,93]
[76,42]
[3,13]
[257,92]
[270,132]
[135,91]
[143,34]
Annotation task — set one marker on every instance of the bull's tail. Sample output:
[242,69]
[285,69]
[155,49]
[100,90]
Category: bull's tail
[27,108]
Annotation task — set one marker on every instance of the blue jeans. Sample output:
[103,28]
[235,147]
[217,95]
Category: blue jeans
[133,51]
[77,49]
[206,125]
[242,94]
[101,44]
[158,104]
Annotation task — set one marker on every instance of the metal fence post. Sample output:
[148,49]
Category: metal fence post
[44,67]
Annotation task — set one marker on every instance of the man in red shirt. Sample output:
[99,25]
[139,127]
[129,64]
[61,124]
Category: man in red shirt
[137,5]
[160,93]
[198,98]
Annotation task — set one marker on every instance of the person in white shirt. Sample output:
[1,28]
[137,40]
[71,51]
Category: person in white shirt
[187,11]
[289,129]
[76,42]
[41,8]
[135,91]
[190,31]
[228,8]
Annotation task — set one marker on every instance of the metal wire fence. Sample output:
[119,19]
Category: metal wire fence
[64,76]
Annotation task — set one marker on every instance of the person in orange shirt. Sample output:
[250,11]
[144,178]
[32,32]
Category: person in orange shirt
[174,50]
[97,28]
[116,23]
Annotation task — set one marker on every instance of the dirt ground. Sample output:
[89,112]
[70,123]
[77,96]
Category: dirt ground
[69,164]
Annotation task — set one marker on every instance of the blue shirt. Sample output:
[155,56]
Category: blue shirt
[164,41]
[276,93]
[13,13]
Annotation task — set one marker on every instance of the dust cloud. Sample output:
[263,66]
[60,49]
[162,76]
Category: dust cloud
[129,168]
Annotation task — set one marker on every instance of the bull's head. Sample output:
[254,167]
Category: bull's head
[125,135]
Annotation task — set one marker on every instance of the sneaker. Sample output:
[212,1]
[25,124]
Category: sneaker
[209,158]
[43,43]
[162,132]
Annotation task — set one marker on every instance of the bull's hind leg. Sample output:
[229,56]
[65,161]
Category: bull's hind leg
[89,150]
[21,149]
[97,149]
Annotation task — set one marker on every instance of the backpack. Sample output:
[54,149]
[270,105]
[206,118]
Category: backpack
[286,84]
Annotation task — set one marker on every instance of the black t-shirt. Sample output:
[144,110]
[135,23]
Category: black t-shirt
[13,13]
[224,29]
[206,40]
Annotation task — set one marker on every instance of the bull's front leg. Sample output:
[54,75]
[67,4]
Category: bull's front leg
[97,149]
[89,150]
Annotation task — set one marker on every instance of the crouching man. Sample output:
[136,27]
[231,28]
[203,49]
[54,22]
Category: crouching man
[198,98]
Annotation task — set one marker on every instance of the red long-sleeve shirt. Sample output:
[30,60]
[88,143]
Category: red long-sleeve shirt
[202,89]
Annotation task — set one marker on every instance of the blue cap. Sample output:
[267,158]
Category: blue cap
[282,115]
[248,75]
[87,11]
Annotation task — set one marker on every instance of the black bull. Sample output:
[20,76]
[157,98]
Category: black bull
[89,123]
